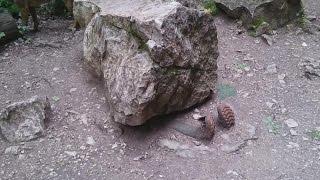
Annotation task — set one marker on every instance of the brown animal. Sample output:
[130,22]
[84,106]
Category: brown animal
[28,7]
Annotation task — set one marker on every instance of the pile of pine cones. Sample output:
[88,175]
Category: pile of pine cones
[226,118]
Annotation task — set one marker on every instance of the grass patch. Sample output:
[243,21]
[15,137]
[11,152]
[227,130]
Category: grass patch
[315,134]
[272,126]
[210,6]
[225,91]
[10,6]
[257,23]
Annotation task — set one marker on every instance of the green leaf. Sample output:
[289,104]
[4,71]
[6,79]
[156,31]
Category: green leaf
[272,126]
[225,91]
[55,98]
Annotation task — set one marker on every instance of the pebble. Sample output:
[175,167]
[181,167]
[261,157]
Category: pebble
[71,153]
[197,116]
[91,141]
[272,69]
[269,104]
[304,44]
[56,69]
[73,90]
[291,123]
[293,132]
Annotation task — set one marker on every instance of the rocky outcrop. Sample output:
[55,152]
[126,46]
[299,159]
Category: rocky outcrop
[24,121]
[83,11]
[154,57]
[254,12]
[8,27]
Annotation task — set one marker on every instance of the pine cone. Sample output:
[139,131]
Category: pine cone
[226,115]
[208,127]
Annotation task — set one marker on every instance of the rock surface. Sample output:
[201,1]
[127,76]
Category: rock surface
[24,121]
[155,57]
[8,26]
[83,11]
[254,12]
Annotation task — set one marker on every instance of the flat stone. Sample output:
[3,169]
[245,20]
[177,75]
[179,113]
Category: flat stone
[24,121]
[291,123]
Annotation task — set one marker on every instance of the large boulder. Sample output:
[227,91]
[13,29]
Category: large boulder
[8,27]
[24,121]
[154,57]
[256,12]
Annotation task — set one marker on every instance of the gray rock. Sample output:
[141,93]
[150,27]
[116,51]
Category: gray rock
[291,123]
[24,121]
[267,39]
[83,11]
[14,150]
[311,67]
[154,57]
[90,141]
[8,26]
[276,13]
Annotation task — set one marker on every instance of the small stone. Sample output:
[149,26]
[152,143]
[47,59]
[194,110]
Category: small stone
[250,74]
[83,147]
[272,69]
[281,76]
[73,90]
[267,39]
[91,141]
[197,116]
[291,123]
[305,139]
[247,68]
[283,110]
[196,110]
[293,132]
[304,44]
[56,69]
[197,143]
[71,153]
[14,150]
[269,104]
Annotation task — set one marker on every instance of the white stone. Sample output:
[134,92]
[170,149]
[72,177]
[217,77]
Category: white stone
[291,123]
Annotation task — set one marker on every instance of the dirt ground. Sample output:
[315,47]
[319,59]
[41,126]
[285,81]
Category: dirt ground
[78,145]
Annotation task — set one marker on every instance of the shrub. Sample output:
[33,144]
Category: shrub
[10,6]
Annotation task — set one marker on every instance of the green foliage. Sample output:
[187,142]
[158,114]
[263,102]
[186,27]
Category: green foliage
[22,29]
[315,134]
[225,91]
[210,6]
[10,6]
[272,126]
[2,35]
[257,22]
[55,7]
